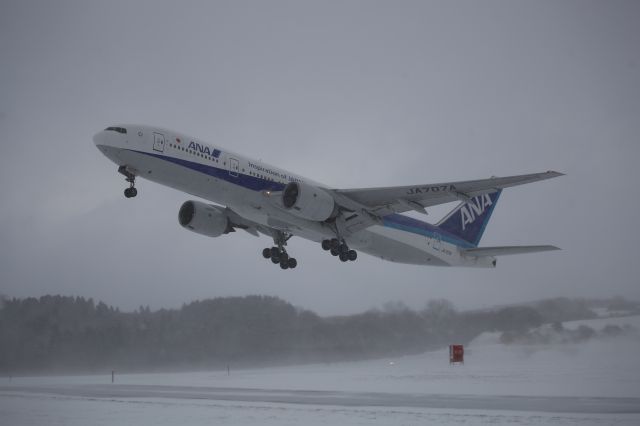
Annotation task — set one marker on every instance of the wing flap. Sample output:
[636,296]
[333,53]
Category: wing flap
[506,250]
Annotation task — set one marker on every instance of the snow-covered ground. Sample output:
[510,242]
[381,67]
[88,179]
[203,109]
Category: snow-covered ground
[594,382]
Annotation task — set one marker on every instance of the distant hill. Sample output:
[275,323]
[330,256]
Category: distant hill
[62,333]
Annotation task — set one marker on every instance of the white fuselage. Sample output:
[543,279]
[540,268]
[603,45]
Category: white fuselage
[246,185]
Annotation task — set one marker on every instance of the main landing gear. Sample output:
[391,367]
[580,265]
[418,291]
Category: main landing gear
[278,255]
[131,191]
[340,249]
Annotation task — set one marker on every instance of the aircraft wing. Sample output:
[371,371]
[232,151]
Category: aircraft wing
[239,222]
[506,250]
[236,221]
[365,207]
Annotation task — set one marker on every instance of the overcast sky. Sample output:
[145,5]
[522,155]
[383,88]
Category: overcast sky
[349,93]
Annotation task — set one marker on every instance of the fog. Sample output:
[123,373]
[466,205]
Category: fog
[56,334]
[580,371]
[352,94]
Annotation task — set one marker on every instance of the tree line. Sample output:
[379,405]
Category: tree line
[62,333]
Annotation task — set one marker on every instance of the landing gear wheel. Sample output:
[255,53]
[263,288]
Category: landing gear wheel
[338,247]
[130,192]
[266,253]
[352,255]
[278,253]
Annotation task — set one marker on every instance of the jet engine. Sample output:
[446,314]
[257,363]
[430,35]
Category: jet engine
[204,219]
[308,202]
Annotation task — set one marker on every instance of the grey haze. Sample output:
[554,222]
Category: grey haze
[350,93]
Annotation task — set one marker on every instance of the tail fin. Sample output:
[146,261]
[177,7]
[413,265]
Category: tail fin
[469,219]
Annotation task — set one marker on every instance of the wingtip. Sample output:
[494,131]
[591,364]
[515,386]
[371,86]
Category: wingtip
[553,173]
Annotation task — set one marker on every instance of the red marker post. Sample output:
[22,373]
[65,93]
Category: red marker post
[456,354]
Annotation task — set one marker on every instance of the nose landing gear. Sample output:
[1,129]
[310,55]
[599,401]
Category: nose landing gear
[131,191]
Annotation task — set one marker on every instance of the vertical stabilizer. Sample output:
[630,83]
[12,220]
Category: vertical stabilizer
[469,219]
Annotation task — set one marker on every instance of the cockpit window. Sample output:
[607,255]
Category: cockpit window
[118,129]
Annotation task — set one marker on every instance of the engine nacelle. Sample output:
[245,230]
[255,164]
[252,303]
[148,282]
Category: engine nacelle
[204,219]
[307,201]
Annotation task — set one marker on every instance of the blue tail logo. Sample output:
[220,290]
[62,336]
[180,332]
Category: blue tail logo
[470,211]
[469,220]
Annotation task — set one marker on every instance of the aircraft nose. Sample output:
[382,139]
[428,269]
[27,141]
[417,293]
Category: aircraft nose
[99,138]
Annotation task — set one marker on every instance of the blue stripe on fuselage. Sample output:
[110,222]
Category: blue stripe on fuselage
[415,226]
[247,181]
[254,183]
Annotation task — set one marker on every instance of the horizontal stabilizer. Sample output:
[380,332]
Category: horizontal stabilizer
[505,250]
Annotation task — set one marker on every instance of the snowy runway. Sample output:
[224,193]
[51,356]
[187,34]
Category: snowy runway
[591,383]
[549,404]
[151,405]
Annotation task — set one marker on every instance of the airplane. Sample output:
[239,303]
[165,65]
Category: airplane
[263,199]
